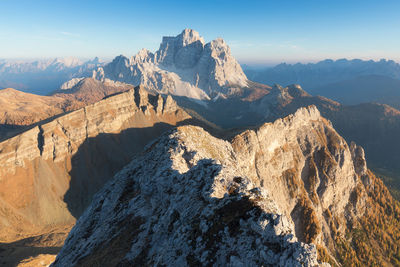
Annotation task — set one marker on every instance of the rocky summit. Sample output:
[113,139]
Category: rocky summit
[184,65]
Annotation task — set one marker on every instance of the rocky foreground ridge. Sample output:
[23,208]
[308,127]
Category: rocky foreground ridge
[49,173]
[193,199]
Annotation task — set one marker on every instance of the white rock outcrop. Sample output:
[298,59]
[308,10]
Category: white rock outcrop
[185,203]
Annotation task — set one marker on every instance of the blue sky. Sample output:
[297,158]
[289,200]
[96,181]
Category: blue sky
[257,31]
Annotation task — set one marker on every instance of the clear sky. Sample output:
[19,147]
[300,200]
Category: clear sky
[257,31]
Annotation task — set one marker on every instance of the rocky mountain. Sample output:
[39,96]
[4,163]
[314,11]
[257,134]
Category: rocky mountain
[184,65]
[261,199]
[43,76]
[377,128]
[277,102]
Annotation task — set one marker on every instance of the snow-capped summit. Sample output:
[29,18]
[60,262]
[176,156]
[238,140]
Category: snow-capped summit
[184,65]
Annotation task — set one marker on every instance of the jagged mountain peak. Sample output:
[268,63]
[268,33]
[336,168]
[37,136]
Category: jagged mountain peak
[219,43]
[184,65]
[189,36]
[121,59]
[181,51]
[142,56]
[295,90]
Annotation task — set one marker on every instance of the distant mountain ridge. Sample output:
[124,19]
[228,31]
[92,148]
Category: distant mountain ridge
[20,111]
[43,76]
[364,89]
[314,75]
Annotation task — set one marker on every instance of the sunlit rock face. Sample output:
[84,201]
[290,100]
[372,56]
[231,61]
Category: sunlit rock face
[184,65]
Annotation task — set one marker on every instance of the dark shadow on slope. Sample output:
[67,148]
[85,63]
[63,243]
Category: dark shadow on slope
[227,113]
[8,131]
[99,158]
[11,254]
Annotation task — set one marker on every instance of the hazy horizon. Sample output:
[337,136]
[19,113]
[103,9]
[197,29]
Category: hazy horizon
[251,64]
[258,32]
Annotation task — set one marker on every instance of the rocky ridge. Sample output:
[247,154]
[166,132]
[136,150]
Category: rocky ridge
[184,65]
[219,197]
[43,76]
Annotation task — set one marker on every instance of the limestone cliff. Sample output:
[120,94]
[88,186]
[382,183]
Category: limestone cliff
[258,199]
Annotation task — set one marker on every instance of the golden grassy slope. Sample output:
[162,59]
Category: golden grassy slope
[19,108]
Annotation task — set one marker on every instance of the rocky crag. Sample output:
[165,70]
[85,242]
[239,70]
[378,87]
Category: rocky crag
[258,199]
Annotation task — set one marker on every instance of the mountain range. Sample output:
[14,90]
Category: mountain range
[43,76]
[314,75]
[350,82]
[177,158]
